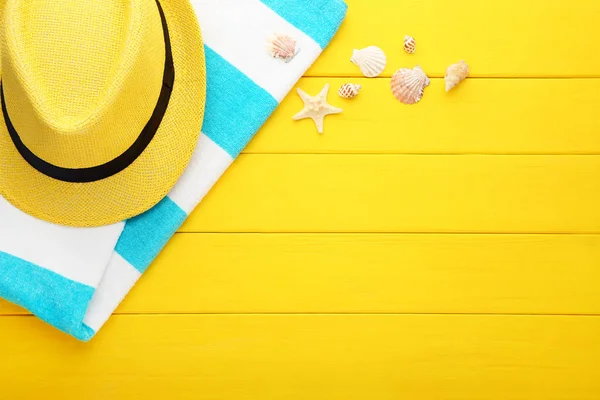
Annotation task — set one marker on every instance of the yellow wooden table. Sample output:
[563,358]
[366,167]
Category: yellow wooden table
[448,250]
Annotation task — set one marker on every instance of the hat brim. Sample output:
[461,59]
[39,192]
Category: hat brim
[151,176]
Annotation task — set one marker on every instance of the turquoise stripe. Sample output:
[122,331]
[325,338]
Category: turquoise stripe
[319,19]
[236,107]
[53,298]
[145,236]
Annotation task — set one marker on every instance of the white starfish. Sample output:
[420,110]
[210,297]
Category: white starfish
[316,108]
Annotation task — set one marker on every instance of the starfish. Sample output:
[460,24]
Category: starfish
[316,108]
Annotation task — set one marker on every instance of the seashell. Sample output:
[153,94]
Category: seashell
[282,46]
[410,44]
[370,60]
[455,74]
[408,84]
[349,90]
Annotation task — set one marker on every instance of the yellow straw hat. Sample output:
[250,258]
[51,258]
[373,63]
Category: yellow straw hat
[102,105]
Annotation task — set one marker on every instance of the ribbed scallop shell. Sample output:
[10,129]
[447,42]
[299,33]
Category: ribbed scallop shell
[349,90]
[408,84]
[455,74]
[282,46]
[410,44]
[370,60]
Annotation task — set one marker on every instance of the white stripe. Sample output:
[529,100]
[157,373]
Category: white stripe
[206,166]
[79,254]
[239,30]
[119,278]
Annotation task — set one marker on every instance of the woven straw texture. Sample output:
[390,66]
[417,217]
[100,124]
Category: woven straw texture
[81,79]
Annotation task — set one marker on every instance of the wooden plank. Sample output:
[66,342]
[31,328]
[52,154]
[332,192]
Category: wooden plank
[307,357]
[214,273]
[392,193]
[499,38]
[375,273]
[328,273]
[7,308]
[482,116]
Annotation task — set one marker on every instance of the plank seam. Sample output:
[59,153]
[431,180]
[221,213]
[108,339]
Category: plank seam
[439,76]
[332,314]
[386,233]
[366,153]
[557,233]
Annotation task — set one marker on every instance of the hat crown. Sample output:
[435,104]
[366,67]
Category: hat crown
[72,69]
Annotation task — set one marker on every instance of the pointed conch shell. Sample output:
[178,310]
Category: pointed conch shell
[370,60]
[455,74]
[408,84]
[282,46]
[349,90]
[410,44]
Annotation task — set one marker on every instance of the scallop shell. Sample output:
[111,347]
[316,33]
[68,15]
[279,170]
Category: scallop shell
[349,90]
[410,44]
[408,84]
[282,46]
[370,60]
[455,74]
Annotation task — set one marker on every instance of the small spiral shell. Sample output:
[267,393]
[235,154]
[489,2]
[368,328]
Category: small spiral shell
[349,90]
[455,74]
[410,44]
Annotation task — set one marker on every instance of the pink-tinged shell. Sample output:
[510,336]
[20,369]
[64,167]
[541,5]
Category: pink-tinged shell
[408,85]
[283,47]
[349,90]
[410,44]
[455,74]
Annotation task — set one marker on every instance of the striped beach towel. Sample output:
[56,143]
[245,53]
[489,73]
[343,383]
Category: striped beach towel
[74,278]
